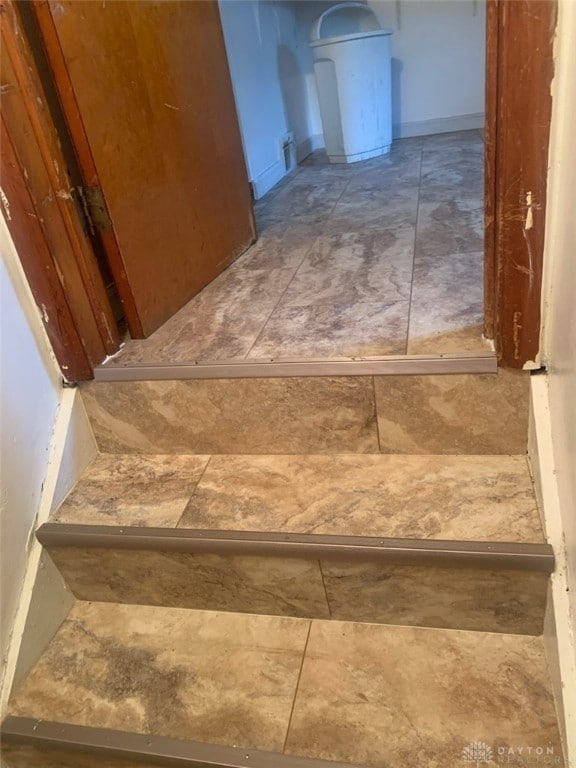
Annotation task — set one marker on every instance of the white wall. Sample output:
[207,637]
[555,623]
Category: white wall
[558,352]
[438,72]
[559,310]
[30,397]
[438,52]
[252,31]
[46,443]
[296,76]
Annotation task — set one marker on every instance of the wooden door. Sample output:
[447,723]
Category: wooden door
[146,91]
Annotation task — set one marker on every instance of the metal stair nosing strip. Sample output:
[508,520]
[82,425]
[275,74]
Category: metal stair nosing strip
[391,551]
[161,750]
[233,369]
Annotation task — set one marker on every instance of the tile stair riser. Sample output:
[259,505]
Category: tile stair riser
[451,414]
[496,600]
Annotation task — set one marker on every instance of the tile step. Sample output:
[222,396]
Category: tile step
[482,498]
[395,414]
[360,694]
[436,541]
[483,586]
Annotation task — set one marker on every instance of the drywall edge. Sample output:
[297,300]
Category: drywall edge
[559,633]
[560,179]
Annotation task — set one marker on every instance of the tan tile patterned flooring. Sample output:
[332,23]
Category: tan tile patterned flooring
[372,695]
[458,414]
[382,257]
[485,498]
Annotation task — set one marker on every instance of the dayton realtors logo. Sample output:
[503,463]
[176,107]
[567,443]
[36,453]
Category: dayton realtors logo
[478,754]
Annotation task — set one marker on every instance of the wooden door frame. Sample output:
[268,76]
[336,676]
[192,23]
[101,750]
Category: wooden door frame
[519,70]
[41,17]
[42,217]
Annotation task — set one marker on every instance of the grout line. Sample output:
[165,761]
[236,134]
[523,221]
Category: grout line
[194,490]
[327,217]
[277,305]
[304,257]
[297,686]
[376,413]
[325,591]
[274,308]
[414,254]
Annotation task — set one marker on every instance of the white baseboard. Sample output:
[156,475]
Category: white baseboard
[267,179]
[438,125]
[406,130]
[45,601]
[559,630]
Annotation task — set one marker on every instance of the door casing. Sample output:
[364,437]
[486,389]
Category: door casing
[519,72]
[42,217]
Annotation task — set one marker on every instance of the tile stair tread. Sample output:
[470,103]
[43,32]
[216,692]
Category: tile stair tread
[366,694]
[470,498]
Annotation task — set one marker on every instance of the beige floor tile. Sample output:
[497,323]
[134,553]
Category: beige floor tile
[132,490]
[222,678]
[221,322]
[450,226]
[343,330]
[295,415]
[392,697]
[464,341]
[276,586]
[451,598]
[355,267]
[378,209]
[486,498]
[447,305]
[461,414]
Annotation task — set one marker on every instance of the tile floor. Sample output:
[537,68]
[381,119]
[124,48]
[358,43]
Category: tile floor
[366,694]
[382,257]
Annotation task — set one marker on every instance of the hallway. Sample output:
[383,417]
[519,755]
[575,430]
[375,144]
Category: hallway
[383,257]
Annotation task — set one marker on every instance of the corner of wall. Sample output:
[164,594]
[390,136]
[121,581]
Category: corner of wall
[308,146]
[78,451]
[559,628]
[263,182]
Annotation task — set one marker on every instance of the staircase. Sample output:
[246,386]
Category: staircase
[298,572]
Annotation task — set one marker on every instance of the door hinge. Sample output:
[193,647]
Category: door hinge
[95,209]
